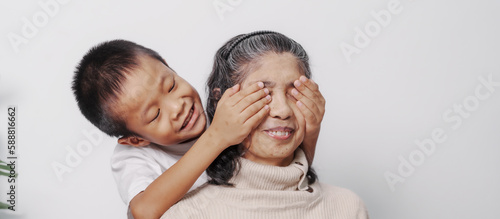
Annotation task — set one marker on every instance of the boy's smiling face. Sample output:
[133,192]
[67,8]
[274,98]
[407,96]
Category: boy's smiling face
[158,105]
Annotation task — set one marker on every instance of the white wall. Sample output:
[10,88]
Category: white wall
[420,64]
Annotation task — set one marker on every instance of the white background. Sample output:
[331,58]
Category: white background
[391,94]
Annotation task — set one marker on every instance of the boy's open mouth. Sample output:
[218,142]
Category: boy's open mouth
[188,118]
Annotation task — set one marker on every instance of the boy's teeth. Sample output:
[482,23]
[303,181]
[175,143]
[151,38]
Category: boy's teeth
[279,133]
[188,118]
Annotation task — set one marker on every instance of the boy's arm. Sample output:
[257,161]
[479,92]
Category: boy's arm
[311,103]
[236,115]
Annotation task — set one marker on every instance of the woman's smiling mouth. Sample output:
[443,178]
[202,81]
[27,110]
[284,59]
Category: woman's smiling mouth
[279,133]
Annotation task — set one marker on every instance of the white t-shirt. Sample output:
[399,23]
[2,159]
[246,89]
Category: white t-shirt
[134,168]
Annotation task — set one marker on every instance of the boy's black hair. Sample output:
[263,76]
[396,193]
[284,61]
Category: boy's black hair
[99,78]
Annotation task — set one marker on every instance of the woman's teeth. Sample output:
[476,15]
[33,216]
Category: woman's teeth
[279,133]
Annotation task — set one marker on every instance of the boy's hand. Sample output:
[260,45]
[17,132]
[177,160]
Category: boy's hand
[312,105]
[239,112]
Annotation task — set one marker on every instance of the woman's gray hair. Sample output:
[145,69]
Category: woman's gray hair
[237,57]
[232,62]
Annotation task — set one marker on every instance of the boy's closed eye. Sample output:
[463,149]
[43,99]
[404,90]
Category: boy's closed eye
[157,115]
[173,85]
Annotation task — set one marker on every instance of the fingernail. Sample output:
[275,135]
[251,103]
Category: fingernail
[297,83]
[266,107]
[268,97]
[303,78]
[299,103]
[295,92]
[261,85]
[266,90]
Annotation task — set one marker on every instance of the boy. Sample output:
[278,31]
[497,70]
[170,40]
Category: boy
[129,91]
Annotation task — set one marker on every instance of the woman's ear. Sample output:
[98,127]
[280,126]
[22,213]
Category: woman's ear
[216,93]
[133,141]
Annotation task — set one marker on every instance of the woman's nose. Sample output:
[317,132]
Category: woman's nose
[280,107]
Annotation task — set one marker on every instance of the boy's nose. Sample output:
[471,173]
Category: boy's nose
[176,108]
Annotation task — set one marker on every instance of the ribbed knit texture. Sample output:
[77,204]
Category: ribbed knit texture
[264,191]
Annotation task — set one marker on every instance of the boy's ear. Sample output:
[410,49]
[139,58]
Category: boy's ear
[133,141]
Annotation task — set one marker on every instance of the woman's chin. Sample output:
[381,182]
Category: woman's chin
[282,157]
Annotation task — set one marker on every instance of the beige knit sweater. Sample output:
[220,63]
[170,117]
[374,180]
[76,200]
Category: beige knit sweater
[263,191]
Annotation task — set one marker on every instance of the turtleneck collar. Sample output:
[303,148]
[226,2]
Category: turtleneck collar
[267,177]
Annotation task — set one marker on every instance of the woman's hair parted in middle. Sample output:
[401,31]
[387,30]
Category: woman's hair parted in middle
[232,63]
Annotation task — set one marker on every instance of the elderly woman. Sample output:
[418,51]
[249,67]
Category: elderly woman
[267,175]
